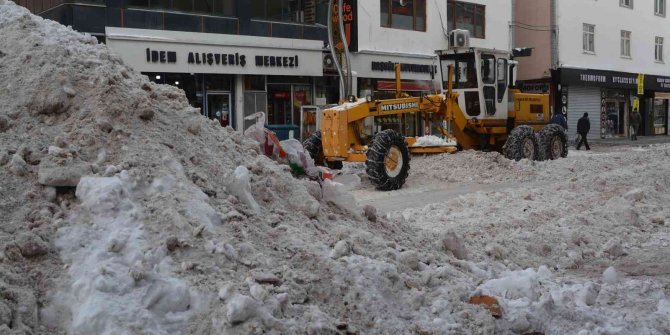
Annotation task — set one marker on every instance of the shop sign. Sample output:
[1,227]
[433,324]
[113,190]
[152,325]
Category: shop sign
[657,83]
[404,67]
[281,95]
[534,87]
[598,78]
[640,84]
[181,52]
[349,19]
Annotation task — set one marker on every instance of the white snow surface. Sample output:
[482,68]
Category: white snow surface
[162,236]
[433,141]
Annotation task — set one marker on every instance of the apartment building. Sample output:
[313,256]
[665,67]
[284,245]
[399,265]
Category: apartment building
[604,58]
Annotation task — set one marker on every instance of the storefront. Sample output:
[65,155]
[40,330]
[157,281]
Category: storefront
[609,98]
[657,93]
[230,76]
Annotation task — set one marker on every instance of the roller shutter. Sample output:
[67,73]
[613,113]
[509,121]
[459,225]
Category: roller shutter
[583,100]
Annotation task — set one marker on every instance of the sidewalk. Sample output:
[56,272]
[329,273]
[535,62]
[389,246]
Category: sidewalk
[641,140]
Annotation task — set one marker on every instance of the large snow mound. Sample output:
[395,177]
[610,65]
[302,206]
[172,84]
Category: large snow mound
[123,213]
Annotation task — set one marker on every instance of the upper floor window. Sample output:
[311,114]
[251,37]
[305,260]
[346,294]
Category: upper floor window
[625,43]
[626,3]
[659,49]
[468,16]
[218,7]
[403,14]
[589,38]
[299,11]
[659,7]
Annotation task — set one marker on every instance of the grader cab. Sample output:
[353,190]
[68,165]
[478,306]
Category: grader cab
[478,109]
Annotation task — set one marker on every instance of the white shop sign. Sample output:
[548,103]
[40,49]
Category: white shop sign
[423,67]
[179,52]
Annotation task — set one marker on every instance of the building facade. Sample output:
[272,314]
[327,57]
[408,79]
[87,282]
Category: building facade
[604,58]
[234,58]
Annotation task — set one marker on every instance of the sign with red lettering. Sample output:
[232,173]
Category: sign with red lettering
[349,14]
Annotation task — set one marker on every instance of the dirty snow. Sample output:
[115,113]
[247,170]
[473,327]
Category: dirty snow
[127,212]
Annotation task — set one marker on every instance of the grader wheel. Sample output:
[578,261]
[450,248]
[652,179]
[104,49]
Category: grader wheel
[314,147]
[387,165]
[553,142]
[521,144]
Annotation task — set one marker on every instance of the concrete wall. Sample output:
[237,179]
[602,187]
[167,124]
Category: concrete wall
[609,19]
[532,29]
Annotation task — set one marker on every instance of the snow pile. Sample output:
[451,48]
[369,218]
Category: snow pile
[128,212]
[432,141]
[598,221]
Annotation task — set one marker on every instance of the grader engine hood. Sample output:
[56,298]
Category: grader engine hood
[340,125]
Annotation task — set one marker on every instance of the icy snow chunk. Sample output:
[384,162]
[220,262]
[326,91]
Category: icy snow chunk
[634,195]
[513,285]
[337,194]
[610,276]
[67,175]
[454,243]
[165,296]
[240,186]
[18,166]
[588,294]
[341,249]
[241,308]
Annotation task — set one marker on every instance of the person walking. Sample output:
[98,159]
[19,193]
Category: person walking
[635,120]
[583,127]
[560,120]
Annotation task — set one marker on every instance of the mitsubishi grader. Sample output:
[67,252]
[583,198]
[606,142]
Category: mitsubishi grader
[479,109]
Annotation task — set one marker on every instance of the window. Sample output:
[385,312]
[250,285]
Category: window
[502,78]
[659,7]
[471,17]
[626,3]
[218,7]
[403,14]
[300,11]
[625,43]
[589,37]
[659,49]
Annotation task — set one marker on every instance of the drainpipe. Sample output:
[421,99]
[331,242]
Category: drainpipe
[553,18]
[512,30]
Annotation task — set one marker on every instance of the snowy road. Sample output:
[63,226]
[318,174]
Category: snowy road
[400,200]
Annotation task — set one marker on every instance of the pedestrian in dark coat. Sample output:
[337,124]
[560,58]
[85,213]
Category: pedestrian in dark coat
[560,120]
[583,127]
[635,120]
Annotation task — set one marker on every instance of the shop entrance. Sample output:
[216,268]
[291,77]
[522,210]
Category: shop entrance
[616,117]
[284,106]
[219,108]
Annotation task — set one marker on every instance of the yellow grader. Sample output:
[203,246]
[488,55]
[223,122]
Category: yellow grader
[478,109]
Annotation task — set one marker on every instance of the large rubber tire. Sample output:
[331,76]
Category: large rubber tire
[553,142]
[314,147]
[521,144]
[388,159]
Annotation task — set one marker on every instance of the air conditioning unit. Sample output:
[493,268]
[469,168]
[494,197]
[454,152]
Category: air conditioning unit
[459,38]
[328,63]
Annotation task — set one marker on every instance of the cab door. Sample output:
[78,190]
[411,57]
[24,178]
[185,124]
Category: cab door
[489,84]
